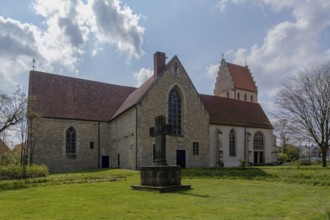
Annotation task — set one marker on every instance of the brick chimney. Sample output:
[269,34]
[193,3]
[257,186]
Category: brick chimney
[159,62]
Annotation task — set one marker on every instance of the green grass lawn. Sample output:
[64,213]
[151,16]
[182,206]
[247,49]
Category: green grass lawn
[258,193]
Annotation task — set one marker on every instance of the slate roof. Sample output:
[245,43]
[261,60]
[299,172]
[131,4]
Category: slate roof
[241,77]
[71,98]
[225,111]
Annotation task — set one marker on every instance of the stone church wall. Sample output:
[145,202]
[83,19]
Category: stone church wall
[220,142]
[123,140]
[194,126]
[51,149]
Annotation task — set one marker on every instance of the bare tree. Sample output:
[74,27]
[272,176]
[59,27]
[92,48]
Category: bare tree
[304,102]
[282,131]
[28,134]
[12,109]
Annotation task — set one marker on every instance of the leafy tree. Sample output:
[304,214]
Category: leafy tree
[304,102]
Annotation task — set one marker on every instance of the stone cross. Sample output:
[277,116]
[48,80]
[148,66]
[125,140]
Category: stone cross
[160,131]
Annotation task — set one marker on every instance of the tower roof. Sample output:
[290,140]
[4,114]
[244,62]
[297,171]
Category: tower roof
[242,77]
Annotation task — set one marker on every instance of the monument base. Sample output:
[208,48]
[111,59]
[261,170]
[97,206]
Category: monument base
[161,178]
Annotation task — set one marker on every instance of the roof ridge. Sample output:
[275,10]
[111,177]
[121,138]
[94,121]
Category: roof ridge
[80,98]
[78,79]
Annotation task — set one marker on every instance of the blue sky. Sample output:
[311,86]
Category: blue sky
[114,41]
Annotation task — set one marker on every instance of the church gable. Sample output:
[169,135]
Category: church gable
[172,94]
[171,76]
[235,82]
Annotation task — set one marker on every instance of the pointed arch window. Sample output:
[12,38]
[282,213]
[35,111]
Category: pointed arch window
[71,136]
[174,112]
[232,144]
[258,141]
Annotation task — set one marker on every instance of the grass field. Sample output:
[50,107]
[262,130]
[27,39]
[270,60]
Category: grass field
[258,193]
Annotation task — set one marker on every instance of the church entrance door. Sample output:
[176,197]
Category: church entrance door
[259,157]
[105,161]
[181,158]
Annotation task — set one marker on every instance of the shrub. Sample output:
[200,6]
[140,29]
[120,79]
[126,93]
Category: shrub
[242,164]
[15,171]
[302,162]
[282,157]
[9,158]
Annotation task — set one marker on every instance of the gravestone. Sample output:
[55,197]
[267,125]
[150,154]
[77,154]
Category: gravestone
[160,176]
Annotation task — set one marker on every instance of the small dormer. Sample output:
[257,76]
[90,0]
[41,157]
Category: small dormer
[235,82]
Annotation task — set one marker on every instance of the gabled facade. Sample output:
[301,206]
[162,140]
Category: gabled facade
[85,124]
[235,82]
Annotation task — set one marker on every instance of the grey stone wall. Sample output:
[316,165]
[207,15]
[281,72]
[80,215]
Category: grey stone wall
[123,140]
[194,115]
[50,148]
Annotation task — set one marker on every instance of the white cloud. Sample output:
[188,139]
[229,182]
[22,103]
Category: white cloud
[18,47]
[142,75]
[68,26]
[222,4]
[212,71]
[119,26]
[288,46]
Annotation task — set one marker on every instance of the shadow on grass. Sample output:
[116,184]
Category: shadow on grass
[229,173]
[189,193]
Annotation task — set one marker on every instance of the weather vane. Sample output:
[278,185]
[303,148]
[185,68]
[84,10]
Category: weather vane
[33,63]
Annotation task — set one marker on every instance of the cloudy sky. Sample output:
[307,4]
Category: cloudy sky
[114,41]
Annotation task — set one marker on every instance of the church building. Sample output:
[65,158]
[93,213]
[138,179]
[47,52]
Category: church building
[83,124]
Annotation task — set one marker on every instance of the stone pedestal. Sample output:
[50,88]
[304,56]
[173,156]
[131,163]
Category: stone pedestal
[161,179]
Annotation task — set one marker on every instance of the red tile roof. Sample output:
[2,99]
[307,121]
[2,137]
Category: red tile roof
[71,98]
[225,111]
[242,77]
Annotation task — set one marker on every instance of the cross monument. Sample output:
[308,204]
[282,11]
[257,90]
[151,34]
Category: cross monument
[160,131]
[160,176]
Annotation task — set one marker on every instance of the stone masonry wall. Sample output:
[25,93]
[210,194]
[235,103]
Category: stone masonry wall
[194,116]
[123,140]
[50,149]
